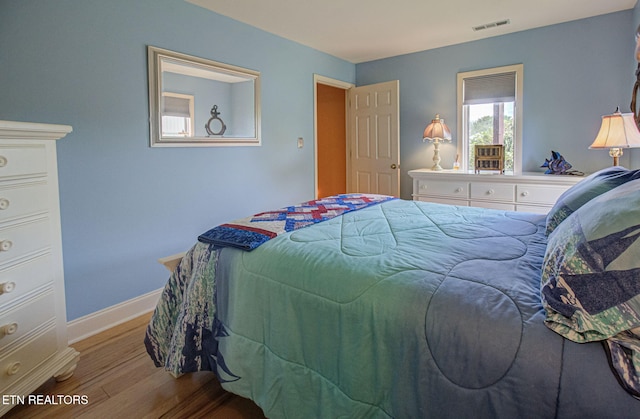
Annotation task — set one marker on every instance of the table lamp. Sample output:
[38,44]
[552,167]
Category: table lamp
[436,132]
[617,131]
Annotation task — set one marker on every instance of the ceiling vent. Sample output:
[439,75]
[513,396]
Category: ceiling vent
[492,25]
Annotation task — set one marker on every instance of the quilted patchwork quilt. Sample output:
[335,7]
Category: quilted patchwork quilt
[250,232]
[400,310]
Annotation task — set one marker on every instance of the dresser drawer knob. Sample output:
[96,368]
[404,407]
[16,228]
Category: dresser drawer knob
[525,193]
[458,190]
[3,161]
[4,203]
[490,192]
[13,368]
[9,329]
[5,245]
[7,287]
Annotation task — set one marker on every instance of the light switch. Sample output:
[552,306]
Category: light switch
[300,142]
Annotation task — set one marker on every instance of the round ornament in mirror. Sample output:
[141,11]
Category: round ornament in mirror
[215,125]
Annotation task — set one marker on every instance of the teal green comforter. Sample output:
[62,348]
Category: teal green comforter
[404,310]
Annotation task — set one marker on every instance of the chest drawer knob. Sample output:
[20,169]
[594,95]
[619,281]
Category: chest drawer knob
[525,193]
[9,329]
[490,192]
[3,161]
[458,190]
[5,245]
[7,287]
[13,368]
[4,203]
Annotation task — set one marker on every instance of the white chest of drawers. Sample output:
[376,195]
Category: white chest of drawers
[33,324]
[533,192]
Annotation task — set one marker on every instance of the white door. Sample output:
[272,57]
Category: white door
[374,139]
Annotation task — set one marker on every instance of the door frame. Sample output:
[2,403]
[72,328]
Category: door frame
[318,79]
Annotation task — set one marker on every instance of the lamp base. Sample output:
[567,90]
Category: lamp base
[616,153]
[436,156]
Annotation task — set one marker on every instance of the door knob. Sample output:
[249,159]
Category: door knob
[394,166]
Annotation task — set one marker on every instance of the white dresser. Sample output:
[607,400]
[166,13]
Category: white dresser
[33,324]
[531,192]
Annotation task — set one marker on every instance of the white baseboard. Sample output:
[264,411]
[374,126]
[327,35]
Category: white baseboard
[94,323]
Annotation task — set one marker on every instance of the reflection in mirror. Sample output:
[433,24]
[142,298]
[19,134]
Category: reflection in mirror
[177,115]
[199,102]
[219,128]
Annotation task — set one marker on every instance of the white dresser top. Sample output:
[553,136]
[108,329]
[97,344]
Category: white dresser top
[32,130]
[527,177]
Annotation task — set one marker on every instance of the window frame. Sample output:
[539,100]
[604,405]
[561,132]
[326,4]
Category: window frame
[463,127]
[191,123]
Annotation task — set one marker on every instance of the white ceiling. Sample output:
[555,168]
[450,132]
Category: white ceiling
[365,30]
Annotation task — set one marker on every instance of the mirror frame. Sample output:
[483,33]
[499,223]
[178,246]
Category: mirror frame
[155,57]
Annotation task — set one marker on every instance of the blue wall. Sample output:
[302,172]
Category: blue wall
[573,74]
[124,204]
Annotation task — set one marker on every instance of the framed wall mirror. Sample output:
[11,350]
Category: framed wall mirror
[196,102]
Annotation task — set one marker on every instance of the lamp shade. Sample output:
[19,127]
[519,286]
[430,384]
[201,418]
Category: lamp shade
[617,131]
[437,130]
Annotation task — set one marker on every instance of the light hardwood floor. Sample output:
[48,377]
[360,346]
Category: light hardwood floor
[120,381]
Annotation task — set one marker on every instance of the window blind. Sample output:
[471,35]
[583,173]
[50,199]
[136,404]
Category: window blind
[175,106]
[492,88]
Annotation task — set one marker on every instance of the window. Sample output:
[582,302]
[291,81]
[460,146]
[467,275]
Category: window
[177,115]
[490,113]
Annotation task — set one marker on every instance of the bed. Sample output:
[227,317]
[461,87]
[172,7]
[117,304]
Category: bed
[405,309]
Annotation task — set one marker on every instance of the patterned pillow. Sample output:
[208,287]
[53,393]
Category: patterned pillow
[591,278]
[587,189]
